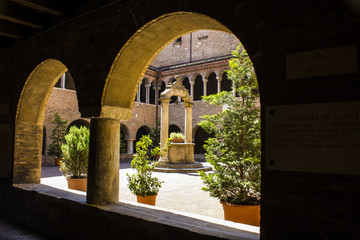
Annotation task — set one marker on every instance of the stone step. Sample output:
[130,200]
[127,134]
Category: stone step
[186,165]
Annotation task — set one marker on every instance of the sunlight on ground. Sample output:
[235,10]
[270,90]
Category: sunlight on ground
[181,192]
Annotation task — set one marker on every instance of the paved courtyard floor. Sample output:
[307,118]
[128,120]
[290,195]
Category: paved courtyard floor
[180,191]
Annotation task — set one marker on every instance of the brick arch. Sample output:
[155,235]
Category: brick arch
[29,120]
[139,51]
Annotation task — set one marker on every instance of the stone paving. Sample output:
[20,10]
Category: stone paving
[180,191]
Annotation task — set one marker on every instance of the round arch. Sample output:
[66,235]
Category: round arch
[139,51]
[200,136]
[174,128]
[78,123]
[29,120]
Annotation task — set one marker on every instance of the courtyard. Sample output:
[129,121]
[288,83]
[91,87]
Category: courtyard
[180,191]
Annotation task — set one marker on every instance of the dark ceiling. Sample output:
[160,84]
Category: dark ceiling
[22,19]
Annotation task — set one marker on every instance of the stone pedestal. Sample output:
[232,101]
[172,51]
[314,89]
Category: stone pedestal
[103,174]
[181,153]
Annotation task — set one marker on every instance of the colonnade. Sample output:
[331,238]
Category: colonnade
[149,83]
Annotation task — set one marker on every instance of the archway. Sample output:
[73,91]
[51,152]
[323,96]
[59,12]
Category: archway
[198,88]
[143,130]
[78,123]
[211,84]
[136,55]
[174,128]
[124,135]
[225,83]
[29,120]
[200,137]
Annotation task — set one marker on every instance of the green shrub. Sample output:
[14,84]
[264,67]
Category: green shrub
[75,152]
[142,182]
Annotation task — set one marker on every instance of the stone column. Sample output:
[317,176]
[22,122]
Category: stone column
[205,80]
[188,122]
[130,146]
[138,99]
[147,87]
[164,134]
[233,89]
[192,83]
[219,79]
[103,173]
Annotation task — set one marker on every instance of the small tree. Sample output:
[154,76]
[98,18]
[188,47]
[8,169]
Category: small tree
[142,183]
[234,152]
[57,136]
[75,152]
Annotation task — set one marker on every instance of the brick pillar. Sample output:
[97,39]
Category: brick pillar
[27,152]
[103,174]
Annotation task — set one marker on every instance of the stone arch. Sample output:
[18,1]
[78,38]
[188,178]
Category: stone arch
[226,84]
[211,83]
[200,136]
[124,136]
[78,123]
[138,52]
[29,120]
[174,128]
[143,130]
[198,87]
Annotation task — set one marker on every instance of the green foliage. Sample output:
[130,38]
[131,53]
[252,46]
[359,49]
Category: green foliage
[57,136]
[122,143]
[142,182]
[234,152]
[178,135]
[75,152]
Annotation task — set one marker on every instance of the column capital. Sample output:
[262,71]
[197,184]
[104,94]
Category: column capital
[165,100]
[219,79]
[188,104]
[205,80]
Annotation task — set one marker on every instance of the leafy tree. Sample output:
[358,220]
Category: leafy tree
[57,136]
[234,152]
[75,152]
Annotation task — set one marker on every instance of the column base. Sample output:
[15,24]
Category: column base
[163,162]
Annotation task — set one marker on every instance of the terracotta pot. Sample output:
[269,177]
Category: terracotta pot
[177,140]
[247,214]
[57,161]
[77,183]
[149,200]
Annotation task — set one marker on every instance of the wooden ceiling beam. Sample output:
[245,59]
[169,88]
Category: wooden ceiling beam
[38,6]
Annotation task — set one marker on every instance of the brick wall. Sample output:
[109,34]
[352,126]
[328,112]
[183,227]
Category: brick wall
[205,44]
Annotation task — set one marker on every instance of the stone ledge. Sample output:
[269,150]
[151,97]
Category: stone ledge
[209,228]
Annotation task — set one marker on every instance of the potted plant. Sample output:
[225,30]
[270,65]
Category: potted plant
[57,137]
[75,152]
[177,137]
[234,152]
[142,183]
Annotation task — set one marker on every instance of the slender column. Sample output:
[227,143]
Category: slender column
[103,169]
[192,83]
[219,79]
[188,122]
[147,87]
[163,161]
[138,93]
[62,81]
[205,86]
[130,146]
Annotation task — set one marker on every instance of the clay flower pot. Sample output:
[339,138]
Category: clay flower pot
[177,140]
[79,184]
[247,214]
[57,161]
[149,200]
